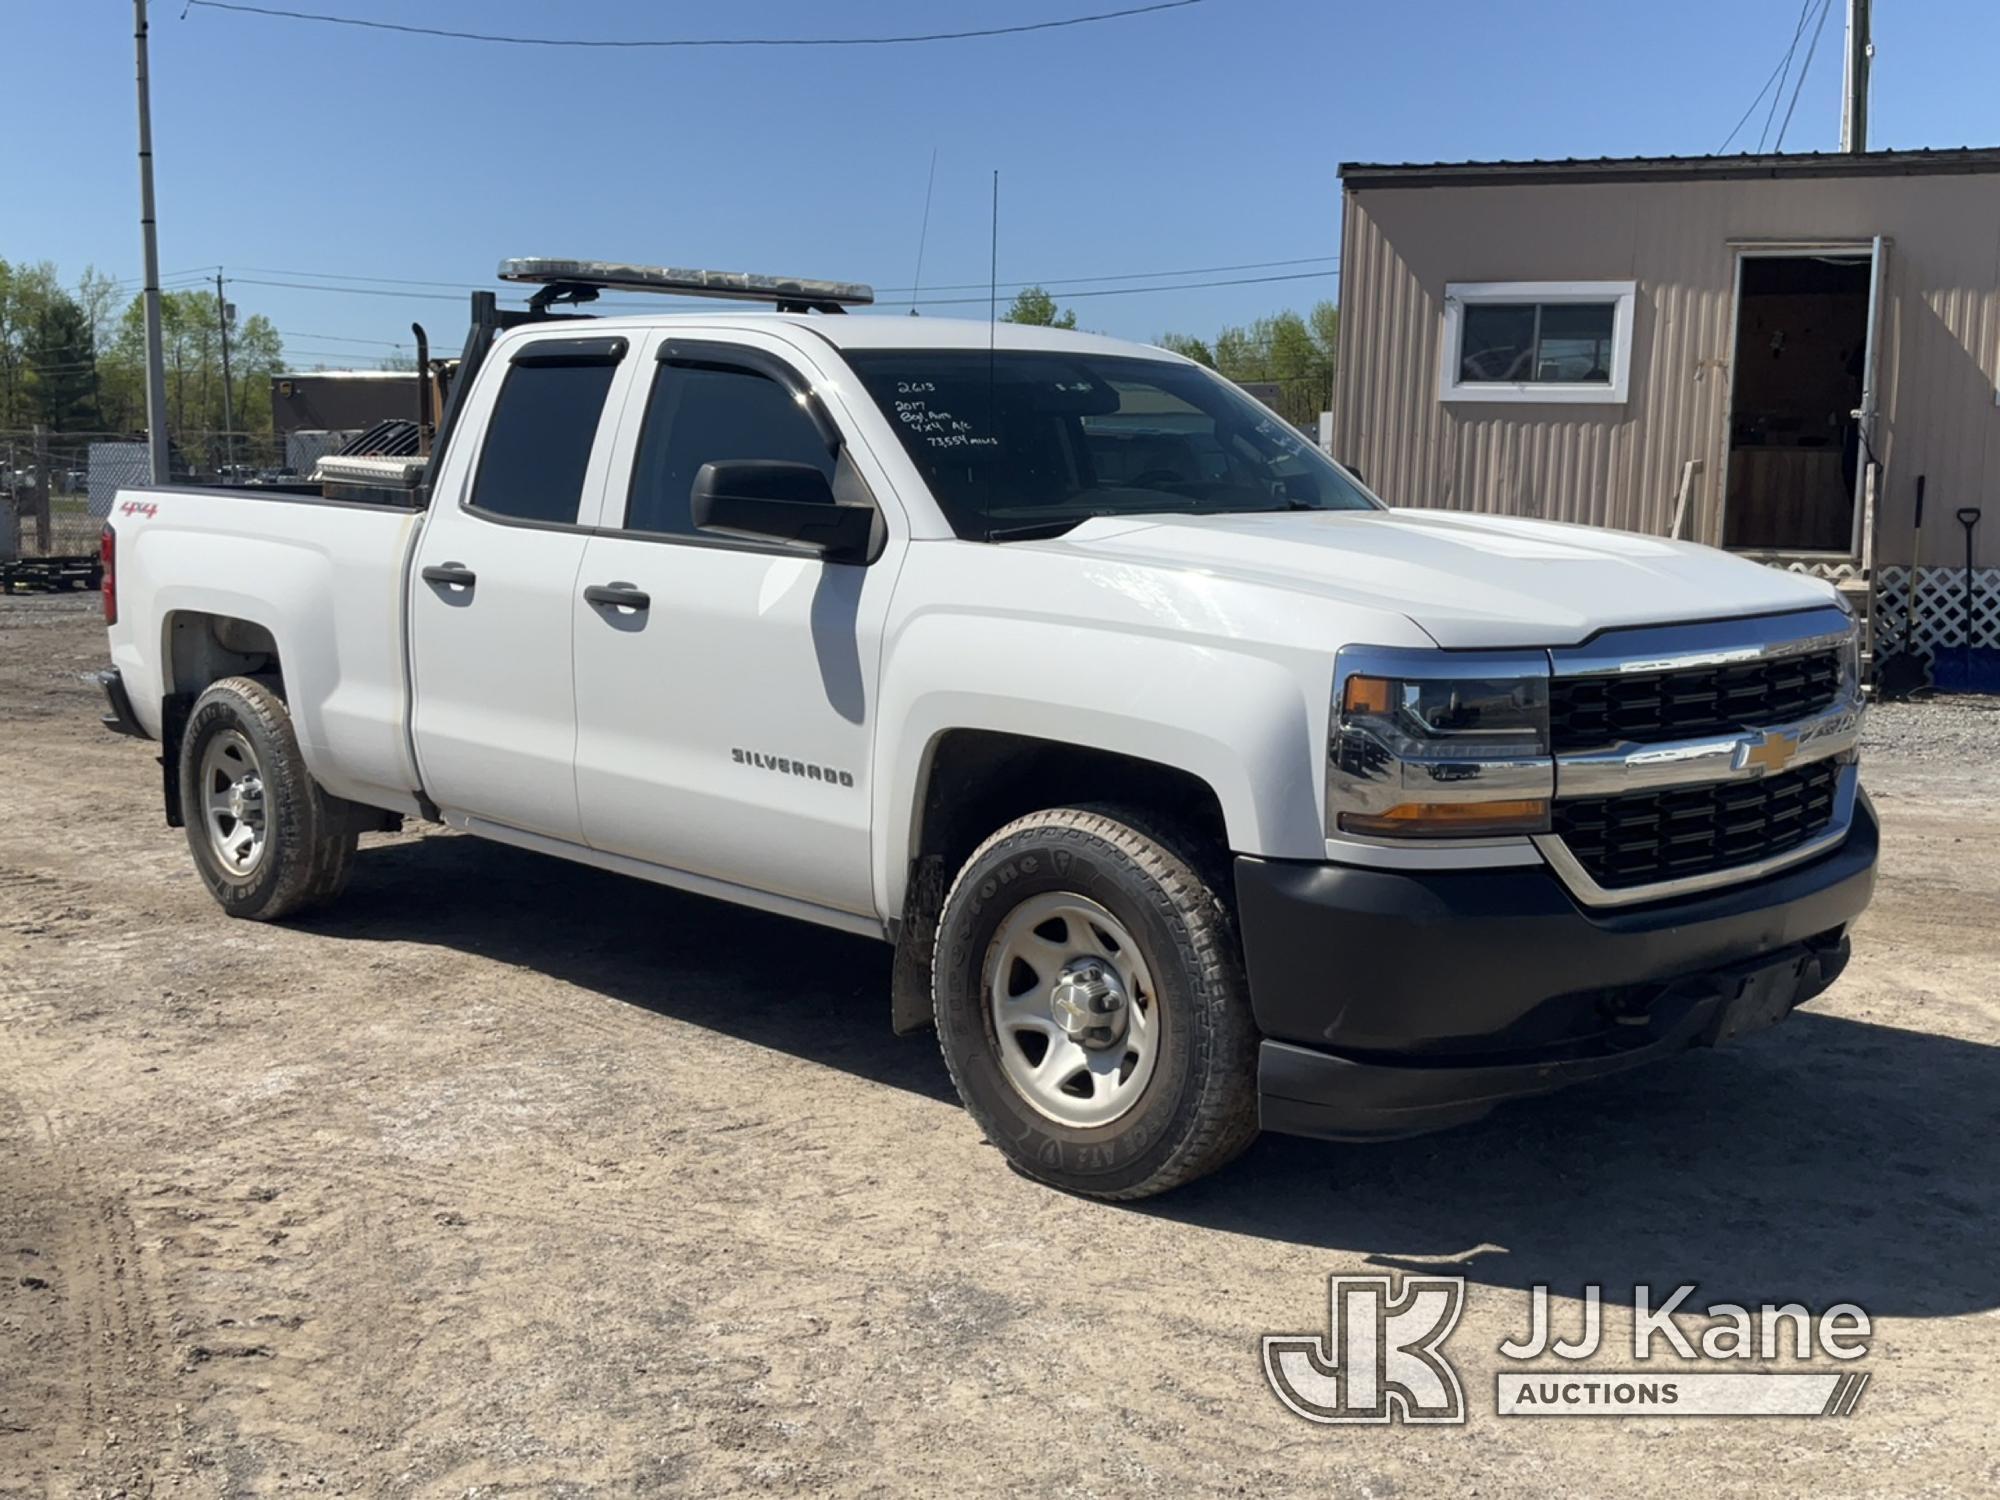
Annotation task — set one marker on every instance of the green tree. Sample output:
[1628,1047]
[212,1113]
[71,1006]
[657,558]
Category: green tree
[1188,347]
[1033,305]
[1294,351]
[62,361]
[76,359]
[191,348]
[256,353]
[1324,321]
[26,293]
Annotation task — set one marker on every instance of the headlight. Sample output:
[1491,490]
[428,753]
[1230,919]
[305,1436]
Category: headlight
[1435,744]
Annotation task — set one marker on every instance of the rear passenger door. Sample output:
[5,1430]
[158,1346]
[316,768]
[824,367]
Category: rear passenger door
[725,727]
[495,581]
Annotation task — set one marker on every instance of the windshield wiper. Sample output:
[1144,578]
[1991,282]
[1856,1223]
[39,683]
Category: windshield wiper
[1037,529]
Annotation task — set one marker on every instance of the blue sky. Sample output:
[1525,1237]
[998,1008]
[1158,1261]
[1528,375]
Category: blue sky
[1205,136]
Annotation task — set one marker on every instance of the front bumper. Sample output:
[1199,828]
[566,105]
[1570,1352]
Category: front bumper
[1398,1002]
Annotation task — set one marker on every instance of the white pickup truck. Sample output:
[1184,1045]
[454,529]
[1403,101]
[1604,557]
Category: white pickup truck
[1197,790]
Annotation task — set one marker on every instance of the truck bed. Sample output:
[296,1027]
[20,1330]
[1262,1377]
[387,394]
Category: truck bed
[324,576]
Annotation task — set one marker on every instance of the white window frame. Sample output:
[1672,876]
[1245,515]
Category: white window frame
[1457,294]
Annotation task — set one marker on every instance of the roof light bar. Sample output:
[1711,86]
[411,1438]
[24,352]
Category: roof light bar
[791,293]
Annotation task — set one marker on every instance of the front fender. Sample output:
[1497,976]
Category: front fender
[1249,721]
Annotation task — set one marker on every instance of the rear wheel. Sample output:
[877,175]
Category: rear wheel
[1091,1006]
[266,839]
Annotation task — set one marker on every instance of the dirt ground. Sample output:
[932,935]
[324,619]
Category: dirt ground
[508,1177]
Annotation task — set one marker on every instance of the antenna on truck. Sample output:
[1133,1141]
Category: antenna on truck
[581,281]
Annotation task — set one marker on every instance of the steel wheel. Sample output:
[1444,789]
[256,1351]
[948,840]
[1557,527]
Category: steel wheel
[232,794]
[1074,1013]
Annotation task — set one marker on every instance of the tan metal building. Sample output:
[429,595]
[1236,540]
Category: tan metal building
[1759,352]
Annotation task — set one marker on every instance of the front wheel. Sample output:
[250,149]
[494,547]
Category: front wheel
[266,839]
[1091,1006]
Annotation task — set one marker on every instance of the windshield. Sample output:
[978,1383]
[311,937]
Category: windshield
[1029,443]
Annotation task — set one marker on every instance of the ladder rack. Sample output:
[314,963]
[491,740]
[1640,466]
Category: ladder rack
[582,280]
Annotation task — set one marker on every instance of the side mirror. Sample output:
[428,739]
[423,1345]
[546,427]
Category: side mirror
[764,500]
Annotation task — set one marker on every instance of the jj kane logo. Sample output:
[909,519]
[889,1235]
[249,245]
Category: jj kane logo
[1382,1358]
[1380,1361]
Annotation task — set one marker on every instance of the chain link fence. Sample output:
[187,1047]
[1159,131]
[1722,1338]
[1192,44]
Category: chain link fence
[56,488]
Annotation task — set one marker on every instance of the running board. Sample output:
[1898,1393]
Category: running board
[680,880]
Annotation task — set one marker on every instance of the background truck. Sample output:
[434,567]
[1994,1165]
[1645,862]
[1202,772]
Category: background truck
[1195,788]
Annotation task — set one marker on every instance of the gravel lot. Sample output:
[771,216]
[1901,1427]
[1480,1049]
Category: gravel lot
[511,1177]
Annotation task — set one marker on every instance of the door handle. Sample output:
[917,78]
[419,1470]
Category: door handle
[618,596]
[452,575]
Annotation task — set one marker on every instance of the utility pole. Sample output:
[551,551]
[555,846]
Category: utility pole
[39,494]
[156,370]
[1854,79]
[222,311]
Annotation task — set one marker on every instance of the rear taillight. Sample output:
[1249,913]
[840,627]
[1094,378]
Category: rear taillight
[107,553]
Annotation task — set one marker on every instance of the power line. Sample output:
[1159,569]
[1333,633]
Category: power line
[463,286]
[124,283]
[1249,265]
[344,338]
[1754,102]
[1069,293]
[664,42]
[1784,67]
[1064,295]
[352,291]
[1825,9]
[964,286]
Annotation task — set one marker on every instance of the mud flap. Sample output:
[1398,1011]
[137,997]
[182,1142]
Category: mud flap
[916,940]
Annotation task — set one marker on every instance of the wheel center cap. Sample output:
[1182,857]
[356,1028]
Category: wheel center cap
[246,799]
[1088,1002]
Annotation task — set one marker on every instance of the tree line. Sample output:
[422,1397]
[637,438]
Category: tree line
[73,358]
[1292,350]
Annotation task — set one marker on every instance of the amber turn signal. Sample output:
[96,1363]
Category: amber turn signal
[1451,820]
[1366,695]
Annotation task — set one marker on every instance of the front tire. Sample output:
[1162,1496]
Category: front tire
[1091,1005]
[266,840]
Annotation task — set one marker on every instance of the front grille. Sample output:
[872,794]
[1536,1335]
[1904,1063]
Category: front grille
[1646,837]
[1589,713]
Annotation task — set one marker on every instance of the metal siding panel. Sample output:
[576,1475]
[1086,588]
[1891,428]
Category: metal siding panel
[1937,363]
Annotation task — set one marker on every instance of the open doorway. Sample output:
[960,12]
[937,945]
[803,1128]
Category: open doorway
[1800,365]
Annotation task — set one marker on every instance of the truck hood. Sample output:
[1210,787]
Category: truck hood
[1466,580]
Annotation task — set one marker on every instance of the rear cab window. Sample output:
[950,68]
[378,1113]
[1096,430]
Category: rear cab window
[538,442]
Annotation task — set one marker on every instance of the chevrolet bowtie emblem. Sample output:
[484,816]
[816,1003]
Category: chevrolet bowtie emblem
[1772,751]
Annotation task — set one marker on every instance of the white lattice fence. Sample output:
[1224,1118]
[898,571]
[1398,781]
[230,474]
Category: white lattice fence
[1940,617]
[1832,572]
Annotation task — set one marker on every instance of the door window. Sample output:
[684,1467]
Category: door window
[701,414]
[538,444]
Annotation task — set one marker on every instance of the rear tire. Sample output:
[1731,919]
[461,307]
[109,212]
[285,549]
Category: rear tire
[1091,1005]
[267,840]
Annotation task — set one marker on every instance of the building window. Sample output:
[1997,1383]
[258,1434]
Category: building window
[1537,341]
